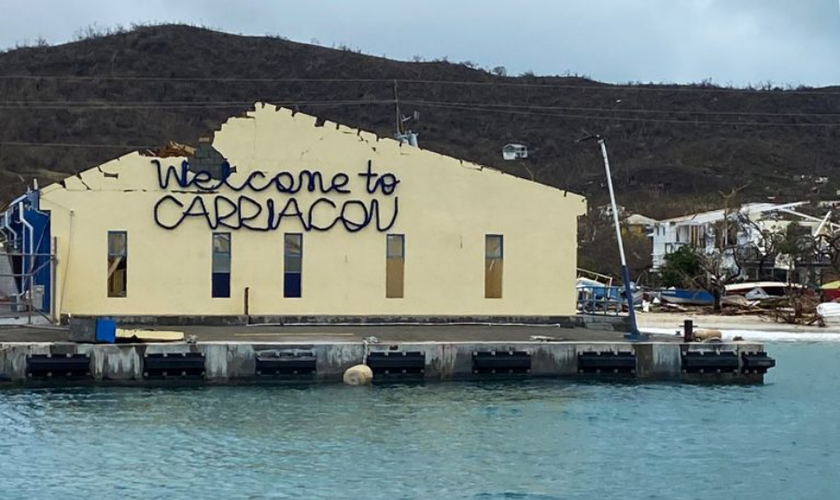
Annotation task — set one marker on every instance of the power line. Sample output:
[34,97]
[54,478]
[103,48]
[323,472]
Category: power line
[626,119]
[627,110]
[74,145]
[128,105]
[116,105]
[636,88]
[188,79]
[594,86]
[490,108]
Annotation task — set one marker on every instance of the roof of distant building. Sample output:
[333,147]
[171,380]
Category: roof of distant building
[640,220]
[716,215]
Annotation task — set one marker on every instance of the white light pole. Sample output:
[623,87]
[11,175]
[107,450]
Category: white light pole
[625,271]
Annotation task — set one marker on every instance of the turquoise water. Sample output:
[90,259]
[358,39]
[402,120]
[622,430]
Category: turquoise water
[498,440]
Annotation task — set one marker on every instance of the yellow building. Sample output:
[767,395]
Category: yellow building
[282,216]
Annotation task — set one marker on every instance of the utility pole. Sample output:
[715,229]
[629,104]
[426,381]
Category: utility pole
[399,116]
[634,333]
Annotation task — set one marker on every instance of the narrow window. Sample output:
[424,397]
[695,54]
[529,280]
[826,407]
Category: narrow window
[394,266]
[221,265]
[493,259]
[292,264]
[117,263]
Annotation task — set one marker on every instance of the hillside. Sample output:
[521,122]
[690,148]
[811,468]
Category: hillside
[672,147]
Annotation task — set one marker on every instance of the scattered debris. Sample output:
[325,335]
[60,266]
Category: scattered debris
[172,149]
[737,301]
[707,335]
[545,338]
[148,335]
[799,308]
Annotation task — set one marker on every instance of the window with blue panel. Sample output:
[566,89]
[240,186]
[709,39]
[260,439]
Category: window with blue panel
[221,265]
[292,265]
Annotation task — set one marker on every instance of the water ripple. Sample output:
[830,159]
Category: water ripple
[532,439]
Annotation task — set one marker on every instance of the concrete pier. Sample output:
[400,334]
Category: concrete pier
[236,361]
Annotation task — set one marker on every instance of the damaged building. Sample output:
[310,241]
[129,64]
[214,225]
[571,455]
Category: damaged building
[280,216]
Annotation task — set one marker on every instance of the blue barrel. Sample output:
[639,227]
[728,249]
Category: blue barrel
[106,330]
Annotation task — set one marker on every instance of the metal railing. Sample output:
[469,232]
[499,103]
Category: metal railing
[28,295]
[603,278]
[601,300]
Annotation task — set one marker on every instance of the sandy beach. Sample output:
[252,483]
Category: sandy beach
[722,322]
[747,327]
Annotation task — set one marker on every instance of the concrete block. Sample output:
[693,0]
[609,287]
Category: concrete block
[216,361]
[554,359]
[13,358]
[334,359]
[114,362]
[82,330]
[241,360]
[658,361]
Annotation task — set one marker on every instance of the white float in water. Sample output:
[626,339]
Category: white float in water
[358,375]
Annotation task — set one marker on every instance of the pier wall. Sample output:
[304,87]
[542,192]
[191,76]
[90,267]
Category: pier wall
[233,362]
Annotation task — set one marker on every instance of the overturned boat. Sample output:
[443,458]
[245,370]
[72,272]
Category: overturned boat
[685,297]
[758,290]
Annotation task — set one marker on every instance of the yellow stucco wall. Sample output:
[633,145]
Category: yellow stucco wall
[446,207]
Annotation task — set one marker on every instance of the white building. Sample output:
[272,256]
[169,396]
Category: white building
[702,230]
[515,152]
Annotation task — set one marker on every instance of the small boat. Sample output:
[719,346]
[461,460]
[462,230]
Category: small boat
[830,312]
[757,290]
[830,291]
[686,297]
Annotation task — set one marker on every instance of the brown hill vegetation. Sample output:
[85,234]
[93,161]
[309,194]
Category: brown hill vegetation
[673,148]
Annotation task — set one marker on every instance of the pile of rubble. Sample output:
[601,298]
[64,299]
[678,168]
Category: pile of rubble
[796,309]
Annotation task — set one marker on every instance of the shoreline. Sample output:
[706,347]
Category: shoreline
[752,328]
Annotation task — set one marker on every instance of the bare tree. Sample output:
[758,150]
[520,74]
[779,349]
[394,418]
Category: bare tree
[722,265]
[499,71]
[716,258]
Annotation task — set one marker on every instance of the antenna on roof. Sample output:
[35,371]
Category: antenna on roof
[404,136]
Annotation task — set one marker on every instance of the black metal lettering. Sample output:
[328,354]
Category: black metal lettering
[387,183]
[349,224]
[370,178]
[244,219]
[160,202]
[310,226]
[165,179]
[339,183]
[354,214]
[375,213]
[198,209]
[221,217]
[287,212]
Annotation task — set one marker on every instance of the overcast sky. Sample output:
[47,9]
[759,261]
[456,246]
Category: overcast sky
[730,41]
